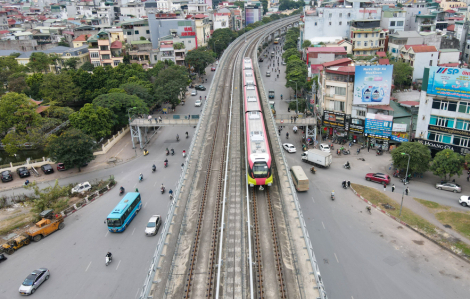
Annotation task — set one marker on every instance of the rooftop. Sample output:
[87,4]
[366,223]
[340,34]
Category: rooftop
[384,61]
[336,62]
[421,48]
[326,50]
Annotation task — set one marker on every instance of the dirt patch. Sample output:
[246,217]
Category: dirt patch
[418,242]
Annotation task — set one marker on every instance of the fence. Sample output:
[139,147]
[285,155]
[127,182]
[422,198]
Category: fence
[28,163]
[111,142]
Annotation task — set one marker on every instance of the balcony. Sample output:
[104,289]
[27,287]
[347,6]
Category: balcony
[366,30]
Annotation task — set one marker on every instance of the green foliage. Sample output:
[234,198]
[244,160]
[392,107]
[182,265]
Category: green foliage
[265,6]
[17,111]
[87,66]
[274,17]
[63,42]
[447,163]
[51,197]
[73,147]
[467,158]
[291,52]
[71,63]
[34,82]
[94,121]
[59,88]
[220,40]
[15,140]
[142,38]
[199,59]
[306,44]
[266,20]
[240,4]
[420,157]
[170,83]
[402,73]
[58,112]
[178,46]
[138,90]
[119,104]
[296,71]
[302,105]
[39,62]
[17,83]
[289,4]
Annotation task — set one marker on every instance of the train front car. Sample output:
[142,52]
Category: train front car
[259,156]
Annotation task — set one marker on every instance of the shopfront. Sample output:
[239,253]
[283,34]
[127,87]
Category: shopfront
[436,147]
[333,124]
[355,128]
[378,130]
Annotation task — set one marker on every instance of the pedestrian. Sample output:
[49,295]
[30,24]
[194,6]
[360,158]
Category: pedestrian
[368,148]
[189,116]
[156,120]
[349,184]
[160,119]
[136,190]
[385,187]
[468,178]
[393,187]
[182,166]
[150,118]
[291,119]
[407,190]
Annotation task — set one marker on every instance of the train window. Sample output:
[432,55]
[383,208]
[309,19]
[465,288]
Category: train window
[252,99]
[260,170]
[254,115]
[248,74]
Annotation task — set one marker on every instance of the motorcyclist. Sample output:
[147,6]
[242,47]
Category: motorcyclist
[184,153]
[171,193]
[162,187]
[121,189]
[172,151]
[343,184]
[347,164]
[187,134]
[154,167]
[109,255]
[281,96]
[333,194]
[287,135]
[166,161]
[167,151]
[177,137]
[141,176]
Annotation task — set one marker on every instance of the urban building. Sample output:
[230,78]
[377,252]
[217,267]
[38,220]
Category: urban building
[401,38]
[419,57]
[135,29]
[447,56]
[133,10]
[178,30]
[141,52]
[320,55]
[393,19]
[104,52]
[203,29]
[253,12]
[367,37]
[451,4]
[221,20]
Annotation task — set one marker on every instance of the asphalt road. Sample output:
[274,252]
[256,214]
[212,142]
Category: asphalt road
[76,255]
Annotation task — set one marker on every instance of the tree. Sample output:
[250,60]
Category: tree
[447,163]
[140,91]
[8,66]
[402,73]
[51,197]
[265,7]
[16,110]
[290,44]
[143,38]
[58,112]
[73,148]
[266,20]
[34,82]
[94,121]
[119,104]
[178,46]
[287,54]
[296,72]
[221,39]
[170,83]
[199,59]
[17,83]
[71,63]
[274,17]
[15,139]
[240,4]
[306,44]
[59,88]
[420,156]
[63,42]
[87,66]
[39,62]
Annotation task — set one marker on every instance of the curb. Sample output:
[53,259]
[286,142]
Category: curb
[465,259]
[86,204]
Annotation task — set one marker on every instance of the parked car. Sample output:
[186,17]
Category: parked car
[198,103]
[268,74]
[213,69]
[449,187]
[464,201]
[200,87]
[47,169]
[378,177]
[6,176]
[289,147]
[23,172]
[260,59]
[34,281]
[283,62]
[61,167]
[80,188]
[194,92]
[325,147]
[153,225]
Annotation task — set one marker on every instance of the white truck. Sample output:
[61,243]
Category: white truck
[317,157]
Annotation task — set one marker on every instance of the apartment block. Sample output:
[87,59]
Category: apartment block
[393,19]
[419,57]
[367,37]
[103,52]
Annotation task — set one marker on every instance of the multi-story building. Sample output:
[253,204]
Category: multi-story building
[253,12]
[447,56]
[367,37]
[426,23]
[221,20]
[135,29]
[412,10]
[320,55]
[451,4]
[203,29]
[80,41]
[3,20]
[104,52]
[401,38]
[443,120]
[419,57]
[178,30]
[134,10]
[393,19]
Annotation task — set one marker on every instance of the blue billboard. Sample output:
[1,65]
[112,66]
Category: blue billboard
[372,85]
[379,125]
[450,82]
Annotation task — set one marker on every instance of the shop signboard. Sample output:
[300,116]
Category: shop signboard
[354,125]
[333,119]
[451,131]
[452,82]
[379,125]
[372,85]
[400,136]
[399,127]
[442,146]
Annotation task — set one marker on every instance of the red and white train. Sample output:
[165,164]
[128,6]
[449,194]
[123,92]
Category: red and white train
[259,156]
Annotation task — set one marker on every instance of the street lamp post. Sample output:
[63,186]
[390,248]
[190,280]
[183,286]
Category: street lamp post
[129,118]
[296,100]
[404,181]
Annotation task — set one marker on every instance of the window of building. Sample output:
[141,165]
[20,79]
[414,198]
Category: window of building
[461,141]
[364,52]
[392,23]
[315,23]
[330,15]
[432,55]
[129,32]
[359,113]
[340,23]
[439,137]
[349,14]
[376,42]
[464,107]
[399,23]
[340,15]
[441,121]
[365,44]
[358,44]
[444,105]
[136,32]
[147,31]
[330,23]
[116,62]
[96,63]
[394,50]
[339,106]
[105,56]
[366,35]
[341,91]
[94,55]
[430,62]
[462,125]
[358,35]
[347,23]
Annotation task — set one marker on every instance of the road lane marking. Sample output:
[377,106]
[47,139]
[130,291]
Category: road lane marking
[146,204]
[336,257]
[323,225]
[136,294]
[133,231]
[313,200]
[106,234]
[118,264]
[88,267]
[119,152]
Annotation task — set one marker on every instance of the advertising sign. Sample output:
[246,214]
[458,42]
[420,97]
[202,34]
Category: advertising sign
[379,125]
[449,82]
[399,127]
[354,125]
[400,136]
[441,146]
[372,85]
[333,119]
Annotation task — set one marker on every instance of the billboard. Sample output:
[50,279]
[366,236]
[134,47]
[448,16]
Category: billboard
[378,125]
[449,82]
[372,85]
[333,119]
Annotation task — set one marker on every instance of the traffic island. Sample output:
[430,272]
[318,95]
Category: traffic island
[457,220]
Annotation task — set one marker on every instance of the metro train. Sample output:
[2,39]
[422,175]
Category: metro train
[259,156]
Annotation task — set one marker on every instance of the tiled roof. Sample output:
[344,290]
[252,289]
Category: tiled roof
[421,48]
[384,61]
[4,31]
[451,27]
[200,16]
[82,38]
[326,50]
[381,107]
[116,45]
[381,54]
[335,62]
[41,109]
[409,103]
[456,64]
[449,11]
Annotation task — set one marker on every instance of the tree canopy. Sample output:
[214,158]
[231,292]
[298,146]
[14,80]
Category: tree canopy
[420,157]
[287,54]
[94,121]
[289,4]
[17,111]
[59,88]
[402,73]
[447,163]
[39,62]
[199,59]
[170,83]
[119,104]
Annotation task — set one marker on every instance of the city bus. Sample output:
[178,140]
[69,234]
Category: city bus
[276,40]
[299,178]
[120,217]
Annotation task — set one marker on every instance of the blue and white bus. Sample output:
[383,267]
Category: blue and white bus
[118,220]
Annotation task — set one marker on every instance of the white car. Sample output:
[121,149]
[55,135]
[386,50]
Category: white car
[80,188]
[153,225]
[325,147]
[289,147]
[198,103]
[464,201]
[194,92]
[34,280]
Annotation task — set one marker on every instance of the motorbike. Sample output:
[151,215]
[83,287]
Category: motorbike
[167,153]
[346,166]
[396,173]
[338,152]
[312,170]
[346,152]
[332,146]
[154,169]
[108,260]
[344,185]
[171,196]
[172,152]
[121,191]
[177,138]
[187,136]
[162,190]
[184,155]
[166,164]
[332,196]
[362,159]
[378,152]
[141,178]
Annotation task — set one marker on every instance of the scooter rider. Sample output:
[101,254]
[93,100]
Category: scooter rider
[109,255]
[187,135]
[287,135]
[172,152]
[333,194]
[141,177]
[171,194]
[347,164]
[177,137]
[166,162]
[162,188]
[344,184]
[167,151]
[154,167]
[121,189]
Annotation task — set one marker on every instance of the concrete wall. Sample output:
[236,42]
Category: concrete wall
[433,40]
[160,28]
[449,57]
[112,141]
[322,58]
[421,61]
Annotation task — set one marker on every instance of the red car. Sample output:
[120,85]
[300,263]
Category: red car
[378,177]
[213,68]
[61,167]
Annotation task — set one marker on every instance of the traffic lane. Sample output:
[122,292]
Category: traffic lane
[337,227]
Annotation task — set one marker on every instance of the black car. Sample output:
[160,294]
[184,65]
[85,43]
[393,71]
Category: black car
[200,87]
[47,169]
[2,257]
[6,176]
[260,59]
[23,172]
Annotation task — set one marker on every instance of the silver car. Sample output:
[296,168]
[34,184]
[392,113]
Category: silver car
[449,187]
[153,225]
[34,280]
